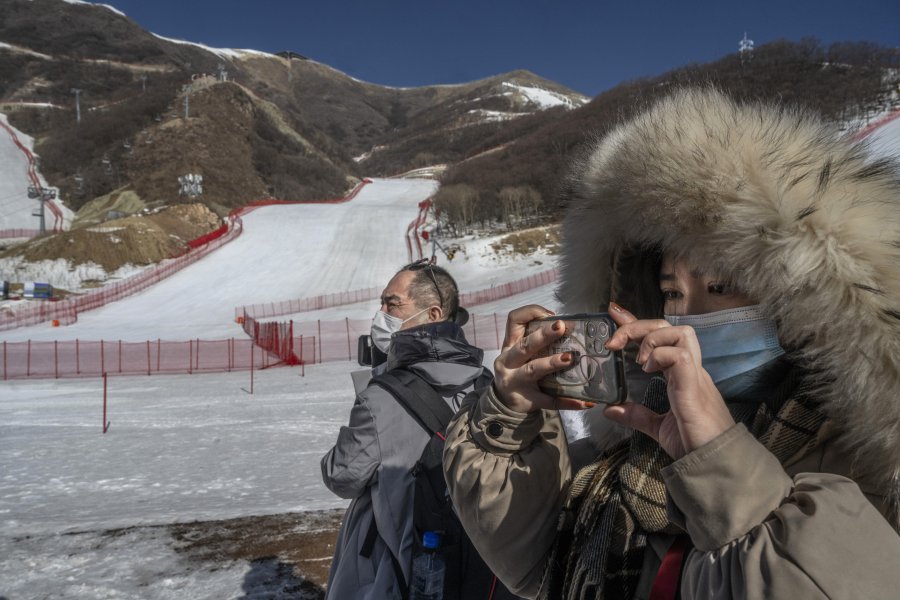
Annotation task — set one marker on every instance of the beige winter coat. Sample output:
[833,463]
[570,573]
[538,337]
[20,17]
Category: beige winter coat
[808,225]
[759,530]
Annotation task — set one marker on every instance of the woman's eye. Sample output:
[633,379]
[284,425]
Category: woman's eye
[719,289]
[669,295]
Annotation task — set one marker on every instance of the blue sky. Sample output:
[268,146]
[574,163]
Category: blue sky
[588,46]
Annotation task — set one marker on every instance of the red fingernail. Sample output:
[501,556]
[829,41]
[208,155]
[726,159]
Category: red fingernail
[616,307]
[558,325]
[589,405]
[566,357]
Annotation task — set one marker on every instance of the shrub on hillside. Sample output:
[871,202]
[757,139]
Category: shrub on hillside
[71,147]
[841,81]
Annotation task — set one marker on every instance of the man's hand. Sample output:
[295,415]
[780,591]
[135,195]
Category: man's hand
[698,414]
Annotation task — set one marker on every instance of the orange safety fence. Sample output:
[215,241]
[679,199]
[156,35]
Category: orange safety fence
[467,299]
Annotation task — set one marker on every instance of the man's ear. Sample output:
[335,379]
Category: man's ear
[435,314]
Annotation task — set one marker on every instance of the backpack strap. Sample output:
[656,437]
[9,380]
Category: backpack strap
[418,397]
[366,552]
[430,411]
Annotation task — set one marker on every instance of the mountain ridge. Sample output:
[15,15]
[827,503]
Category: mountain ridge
[261,125]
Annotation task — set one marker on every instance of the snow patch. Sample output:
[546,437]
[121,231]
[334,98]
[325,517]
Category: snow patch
[106,6]
[22,50]
[495,115]
[60,273]
[223,52]
[545,99]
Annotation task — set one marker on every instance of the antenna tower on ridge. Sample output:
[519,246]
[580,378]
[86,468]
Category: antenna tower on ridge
[746,49]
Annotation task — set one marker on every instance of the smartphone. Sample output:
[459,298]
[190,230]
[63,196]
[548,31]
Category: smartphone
[597,373]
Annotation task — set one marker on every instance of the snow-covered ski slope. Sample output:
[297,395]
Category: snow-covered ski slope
[286,251]
[885,140]
[15,205]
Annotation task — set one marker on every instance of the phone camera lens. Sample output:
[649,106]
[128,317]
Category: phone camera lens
[591,329]
[602,330]
[600,348]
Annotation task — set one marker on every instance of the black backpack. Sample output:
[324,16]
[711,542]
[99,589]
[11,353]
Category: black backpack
[467,577]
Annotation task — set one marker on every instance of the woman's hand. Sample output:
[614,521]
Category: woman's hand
[698,414]
[516,375]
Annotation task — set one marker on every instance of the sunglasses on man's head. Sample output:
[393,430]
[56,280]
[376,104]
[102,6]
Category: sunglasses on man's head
[425,264]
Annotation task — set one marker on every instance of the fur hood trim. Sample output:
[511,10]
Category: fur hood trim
[803,220]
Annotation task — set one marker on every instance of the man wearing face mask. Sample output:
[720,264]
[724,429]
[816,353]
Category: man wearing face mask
[418,327]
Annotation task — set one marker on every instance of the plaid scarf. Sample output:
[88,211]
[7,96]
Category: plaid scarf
[616,502]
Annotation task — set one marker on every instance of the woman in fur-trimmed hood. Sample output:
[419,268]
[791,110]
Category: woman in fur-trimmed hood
[765,456]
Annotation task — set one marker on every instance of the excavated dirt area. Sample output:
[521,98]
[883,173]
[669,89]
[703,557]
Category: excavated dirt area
[289,553]
[528,241]
[140,239]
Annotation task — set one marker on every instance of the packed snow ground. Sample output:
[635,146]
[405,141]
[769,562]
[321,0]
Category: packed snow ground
[178,449]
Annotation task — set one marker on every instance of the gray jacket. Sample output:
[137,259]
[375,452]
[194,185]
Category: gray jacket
[373,457]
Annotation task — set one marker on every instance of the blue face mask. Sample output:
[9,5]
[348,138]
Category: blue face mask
[735,344]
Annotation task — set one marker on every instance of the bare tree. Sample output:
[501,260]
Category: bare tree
[455,205]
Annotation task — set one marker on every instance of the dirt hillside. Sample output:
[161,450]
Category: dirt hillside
[140,239]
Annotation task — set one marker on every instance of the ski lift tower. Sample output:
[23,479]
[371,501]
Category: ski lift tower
[745,47]
[191,185]
[43,195]
[187,89]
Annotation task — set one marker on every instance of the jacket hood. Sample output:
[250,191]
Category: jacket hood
[803,220]
[438,351]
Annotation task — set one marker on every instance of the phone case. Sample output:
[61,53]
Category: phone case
[598,374]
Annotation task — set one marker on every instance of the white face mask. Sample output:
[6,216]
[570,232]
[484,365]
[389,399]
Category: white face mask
[385,325]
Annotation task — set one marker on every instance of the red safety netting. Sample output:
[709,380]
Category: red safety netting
[467,299]
[19,233]
[274,202]
[275,338]
[271,344]
[870,128]
[338,340]
[39,360]
[505,290]
[412,230]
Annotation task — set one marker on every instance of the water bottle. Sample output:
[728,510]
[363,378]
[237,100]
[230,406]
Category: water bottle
[428,570]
